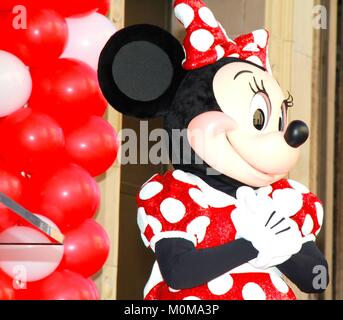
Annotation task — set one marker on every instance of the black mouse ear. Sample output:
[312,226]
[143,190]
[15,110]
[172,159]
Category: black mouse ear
[140,70]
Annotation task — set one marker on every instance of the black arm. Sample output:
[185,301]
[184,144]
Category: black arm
[304,269]
[184,267]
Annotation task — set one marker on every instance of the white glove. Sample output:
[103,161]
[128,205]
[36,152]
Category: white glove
[275,236]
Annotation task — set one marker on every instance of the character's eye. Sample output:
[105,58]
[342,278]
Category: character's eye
[283,118]
[260,110]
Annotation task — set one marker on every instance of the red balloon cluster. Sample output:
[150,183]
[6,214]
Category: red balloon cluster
[46,32]
[65,8]
[52,149]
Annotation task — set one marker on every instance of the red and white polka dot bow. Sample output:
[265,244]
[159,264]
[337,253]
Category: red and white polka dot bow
[206,41]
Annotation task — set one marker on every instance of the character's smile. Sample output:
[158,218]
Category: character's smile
[263,175]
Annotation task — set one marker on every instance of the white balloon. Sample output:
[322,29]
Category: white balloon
[15,83]
[87,37]
[27,262]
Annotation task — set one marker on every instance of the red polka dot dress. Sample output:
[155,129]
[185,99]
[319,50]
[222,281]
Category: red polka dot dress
[181,205]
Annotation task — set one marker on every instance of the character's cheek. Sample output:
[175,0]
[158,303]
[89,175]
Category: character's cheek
[210,124]
[206,134]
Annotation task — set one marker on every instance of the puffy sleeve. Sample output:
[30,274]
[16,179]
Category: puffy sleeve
[298,203]
[166,209]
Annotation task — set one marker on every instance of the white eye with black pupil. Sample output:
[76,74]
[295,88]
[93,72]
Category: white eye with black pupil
[283,118]
[260,111]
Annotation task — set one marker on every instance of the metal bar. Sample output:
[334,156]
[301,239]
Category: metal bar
[32,219]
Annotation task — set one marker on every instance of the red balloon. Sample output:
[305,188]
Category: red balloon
[71,8]
[93,146]
[96,294]
[104,7]
[32,141]
[8,5]
[68,90]
[86,248]
[67,197]
[11,185]
[7,291]
[41,41]
[61,285]
[75,7]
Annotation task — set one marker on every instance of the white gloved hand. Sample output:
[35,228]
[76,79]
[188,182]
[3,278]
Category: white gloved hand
[275,236]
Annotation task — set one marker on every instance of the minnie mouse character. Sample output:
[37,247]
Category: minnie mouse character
[229,226]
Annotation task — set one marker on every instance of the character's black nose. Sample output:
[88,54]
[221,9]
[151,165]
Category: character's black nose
[297,133]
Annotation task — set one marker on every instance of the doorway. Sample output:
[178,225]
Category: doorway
[135,261]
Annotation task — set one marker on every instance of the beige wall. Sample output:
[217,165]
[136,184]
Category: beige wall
[108,215]
[305,64]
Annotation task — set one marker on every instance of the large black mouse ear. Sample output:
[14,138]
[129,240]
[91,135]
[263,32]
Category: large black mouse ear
[140,70]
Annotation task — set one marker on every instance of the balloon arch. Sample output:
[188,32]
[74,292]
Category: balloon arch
[54,142]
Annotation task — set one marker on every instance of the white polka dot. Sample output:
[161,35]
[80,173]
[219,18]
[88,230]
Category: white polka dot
[185,14]
[279,284]
[172,210]
[220,52]
[150,190]
[183,177]
[221,285]
[145,240]
[251,47]
[155,224]
[149,180]
[198,227]
[191,298]
[234,55]
[220,201]
[307,225]
[202,40]
[142,220]
[288,201]
[214,198]
[255,60]
[154,280]
[298,186]
[198,197]
[261,37]
[320,213]
[173,290]
[252,291]
[207,16]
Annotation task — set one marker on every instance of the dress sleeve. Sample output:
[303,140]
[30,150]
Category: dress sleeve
[302,206]
[166,209]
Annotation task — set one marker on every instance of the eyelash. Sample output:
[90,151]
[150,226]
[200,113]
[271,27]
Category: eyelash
[258,89]
[289,102]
